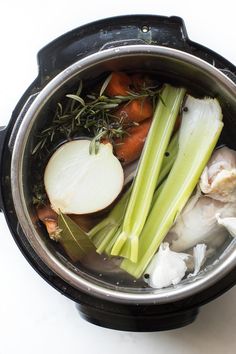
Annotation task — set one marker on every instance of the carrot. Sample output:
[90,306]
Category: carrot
[119,85]
[136,110]
[49,217]
[130,147]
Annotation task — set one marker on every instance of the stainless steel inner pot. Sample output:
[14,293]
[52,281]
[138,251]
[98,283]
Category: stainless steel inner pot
[175,65]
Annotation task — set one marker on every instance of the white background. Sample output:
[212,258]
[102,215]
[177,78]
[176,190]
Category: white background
[34,318]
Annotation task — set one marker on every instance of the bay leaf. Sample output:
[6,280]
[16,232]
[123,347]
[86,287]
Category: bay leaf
[74,240]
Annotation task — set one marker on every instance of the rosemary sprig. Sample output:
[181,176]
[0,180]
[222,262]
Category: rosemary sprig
[92,115]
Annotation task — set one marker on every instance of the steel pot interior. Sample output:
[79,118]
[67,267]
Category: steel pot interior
[174,66]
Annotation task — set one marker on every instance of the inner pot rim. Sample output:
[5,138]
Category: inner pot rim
[174,294]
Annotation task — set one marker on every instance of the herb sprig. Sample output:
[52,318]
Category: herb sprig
[92,115]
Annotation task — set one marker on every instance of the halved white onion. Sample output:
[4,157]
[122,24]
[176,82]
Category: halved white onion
[78,182]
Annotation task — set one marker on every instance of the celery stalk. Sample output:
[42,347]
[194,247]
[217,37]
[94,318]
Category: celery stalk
[109,236]
[125,251]
[114,217]
[101,235]
[105,233]
[200,129]
[112,241]
[145,182]
[169,158]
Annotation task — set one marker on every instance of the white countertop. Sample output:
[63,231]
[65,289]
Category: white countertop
[34,318]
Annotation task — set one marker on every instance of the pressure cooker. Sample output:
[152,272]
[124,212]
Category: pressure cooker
[138,43]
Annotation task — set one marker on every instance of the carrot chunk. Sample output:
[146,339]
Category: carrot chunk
[136,110]
[130,147]
[119,84]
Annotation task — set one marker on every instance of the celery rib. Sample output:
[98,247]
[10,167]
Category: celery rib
[112,241]
[200,129]
[114,217]
[148,172]
[106,240]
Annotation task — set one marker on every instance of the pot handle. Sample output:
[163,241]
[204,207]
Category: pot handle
[122,30]
[2,139]
[107,33]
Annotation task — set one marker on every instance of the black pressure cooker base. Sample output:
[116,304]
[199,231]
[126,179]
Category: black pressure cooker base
[52,59]
[137,323]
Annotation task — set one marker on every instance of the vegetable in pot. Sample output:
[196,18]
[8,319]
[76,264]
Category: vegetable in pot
[166,268]
[145,182]
[169,268]
[136,110]
[200,129]
[199,256]
[78,182]
[119,84]
[130,147]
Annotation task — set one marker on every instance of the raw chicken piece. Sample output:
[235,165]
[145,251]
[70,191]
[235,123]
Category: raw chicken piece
[218,179]
[229,223]
[198,223]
